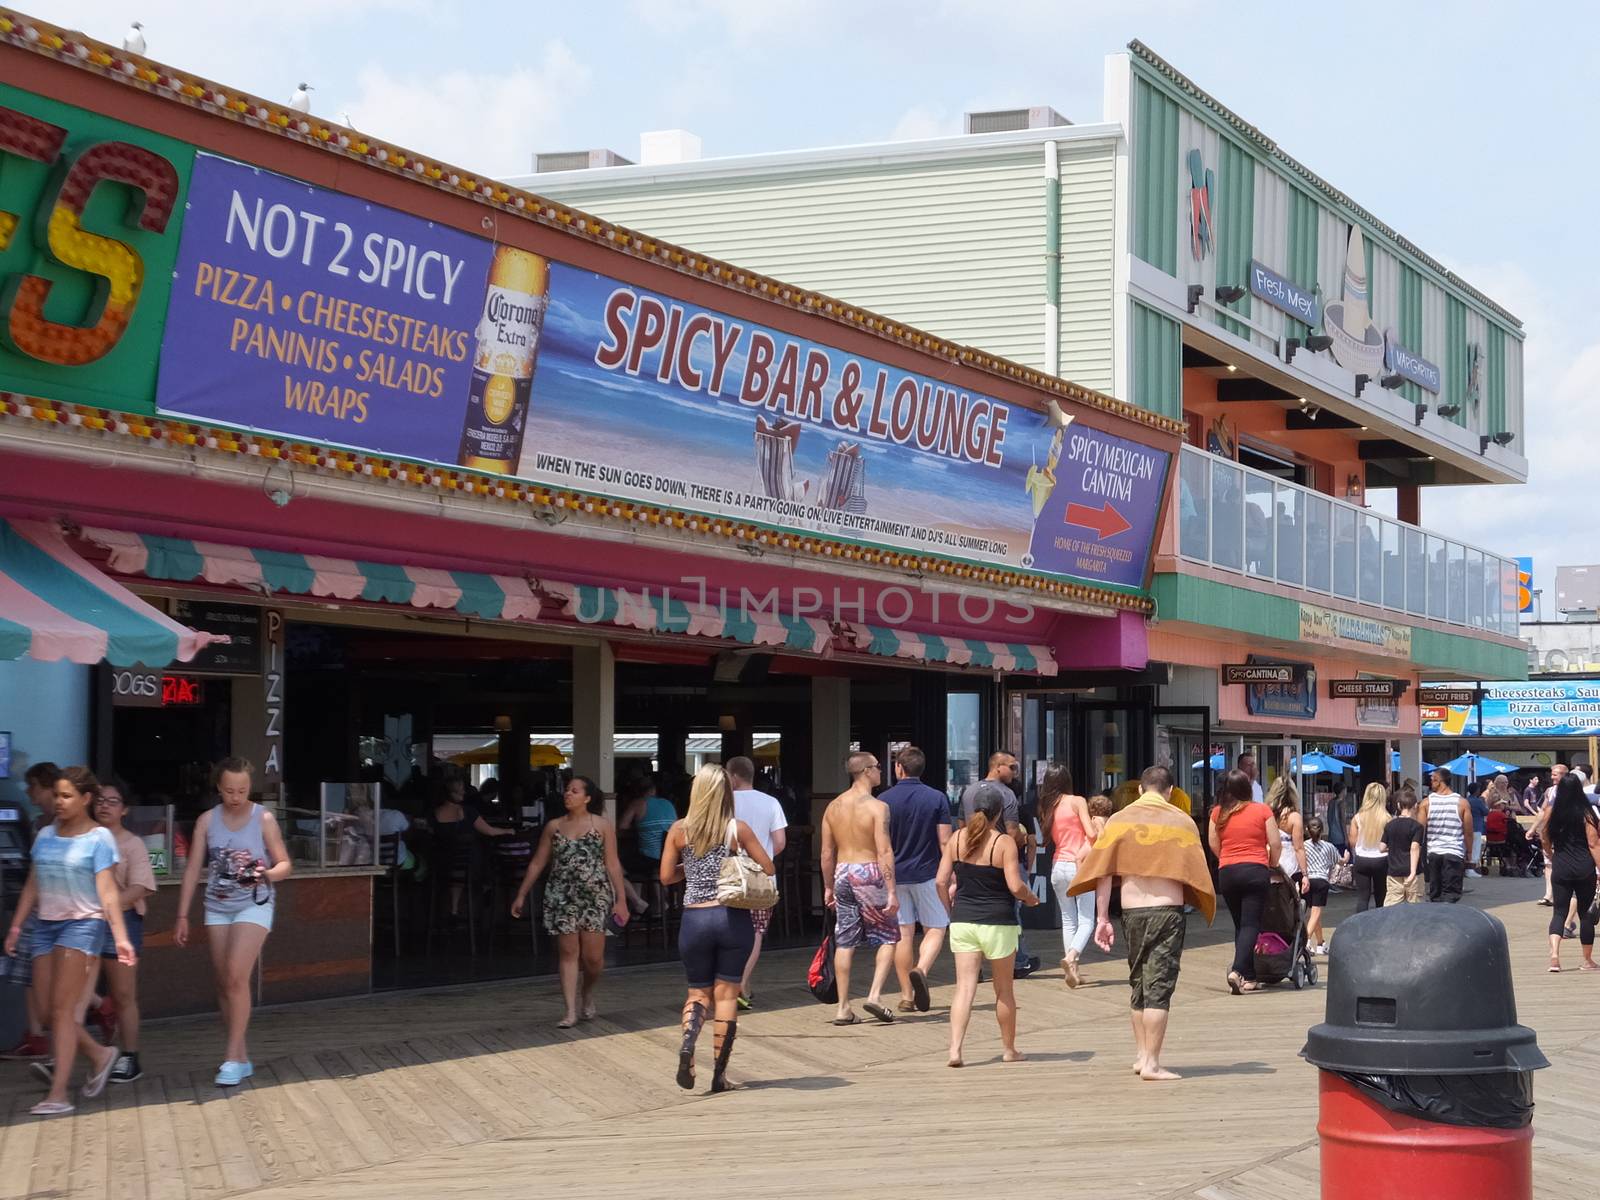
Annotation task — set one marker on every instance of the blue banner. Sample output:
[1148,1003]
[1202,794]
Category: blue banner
[1301,304]
[1411,367]
[1297,699]
[1535,708]
[316,315]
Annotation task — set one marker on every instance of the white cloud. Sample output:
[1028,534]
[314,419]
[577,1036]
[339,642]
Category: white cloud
[485,121]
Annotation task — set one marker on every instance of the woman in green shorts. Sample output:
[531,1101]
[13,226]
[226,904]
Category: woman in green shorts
[982,861]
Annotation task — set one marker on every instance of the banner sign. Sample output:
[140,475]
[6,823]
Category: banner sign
[1367,689]
[1295,698]
[1266,284]
[1234,673]
[1444,696]
[1524,584]
[1326,627]
[1411,367]
[1536,708]
[316,315]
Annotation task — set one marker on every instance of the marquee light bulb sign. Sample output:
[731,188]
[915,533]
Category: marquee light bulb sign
[115,265]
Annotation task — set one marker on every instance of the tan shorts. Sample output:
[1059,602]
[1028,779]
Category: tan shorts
[1401,892]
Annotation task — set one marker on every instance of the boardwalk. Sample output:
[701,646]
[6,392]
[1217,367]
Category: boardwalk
[473,1091]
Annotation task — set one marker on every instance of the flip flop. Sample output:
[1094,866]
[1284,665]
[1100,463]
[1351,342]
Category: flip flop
[919,990]
[879,1012]
[1589,966]
[96,1082]
[1555,968]
[1235,981]
[852,1019]
[51,1108]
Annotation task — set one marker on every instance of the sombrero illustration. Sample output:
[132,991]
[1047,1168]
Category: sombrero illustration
[1357,341]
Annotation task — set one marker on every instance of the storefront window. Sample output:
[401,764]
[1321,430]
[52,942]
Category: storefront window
[1194,506]
[1259,540]
[1370,559]
[1291,512]
[1509,598]
[1106,740]
[1227,516]
[1394,576]
[1344,551]
[1319,543]
[963,720]
[1416,572]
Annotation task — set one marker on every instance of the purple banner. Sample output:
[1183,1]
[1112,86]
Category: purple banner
[317,315]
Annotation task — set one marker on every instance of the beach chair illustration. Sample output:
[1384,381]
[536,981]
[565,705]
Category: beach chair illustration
[775,447]
[844,480]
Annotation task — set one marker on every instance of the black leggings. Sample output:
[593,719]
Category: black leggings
[1372,881]
[1244,887]
[1563,891]
[715,943]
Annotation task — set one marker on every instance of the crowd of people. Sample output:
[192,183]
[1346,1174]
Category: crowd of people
[892,859]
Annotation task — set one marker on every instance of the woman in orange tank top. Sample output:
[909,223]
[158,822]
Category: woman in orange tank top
[1244,837]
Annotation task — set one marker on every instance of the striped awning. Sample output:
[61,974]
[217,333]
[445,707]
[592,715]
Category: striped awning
[55,605]
[509,598]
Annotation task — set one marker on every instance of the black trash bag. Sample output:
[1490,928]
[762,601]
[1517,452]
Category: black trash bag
[1503,1100]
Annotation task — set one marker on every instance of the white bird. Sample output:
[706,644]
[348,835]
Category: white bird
[133,40]
[301,100]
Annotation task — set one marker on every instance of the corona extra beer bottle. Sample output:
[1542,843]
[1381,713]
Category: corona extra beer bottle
[502,365]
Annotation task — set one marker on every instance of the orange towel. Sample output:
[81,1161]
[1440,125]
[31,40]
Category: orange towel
[1150,837]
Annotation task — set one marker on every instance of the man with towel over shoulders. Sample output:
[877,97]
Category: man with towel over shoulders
[1155,849]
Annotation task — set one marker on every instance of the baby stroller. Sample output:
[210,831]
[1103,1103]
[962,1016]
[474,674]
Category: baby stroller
[1281,949]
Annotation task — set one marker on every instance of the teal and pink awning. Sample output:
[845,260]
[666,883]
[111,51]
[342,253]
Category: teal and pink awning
[55,605]
[542,601]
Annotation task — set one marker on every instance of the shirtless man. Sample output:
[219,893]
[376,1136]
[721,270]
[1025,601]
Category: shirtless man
[858,882]
[1155,848]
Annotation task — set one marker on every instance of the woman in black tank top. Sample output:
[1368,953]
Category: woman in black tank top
[982,863]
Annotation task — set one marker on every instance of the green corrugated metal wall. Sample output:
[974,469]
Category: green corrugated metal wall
[1302,264]
[1411,323]
[1233,210]
[1455,344]
[1495,381]
[1157,362]
[1155,178]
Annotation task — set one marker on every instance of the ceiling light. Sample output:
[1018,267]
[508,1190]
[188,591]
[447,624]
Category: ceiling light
[1232,368]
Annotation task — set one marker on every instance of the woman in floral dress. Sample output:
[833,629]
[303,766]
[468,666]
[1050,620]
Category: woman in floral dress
[584,888]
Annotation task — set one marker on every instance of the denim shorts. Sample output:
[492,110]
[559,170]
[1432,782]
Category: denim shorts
[254,914]
[85,935]
[134,924]
[920,905]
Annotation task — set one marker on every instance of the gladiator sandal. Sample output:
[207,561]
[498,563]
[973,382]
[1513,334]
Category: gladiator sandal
[724,1033]
[694,1016]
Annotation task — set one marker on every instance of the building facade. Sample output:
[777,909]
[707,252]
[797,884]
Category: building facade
[318,451]
[1175,256]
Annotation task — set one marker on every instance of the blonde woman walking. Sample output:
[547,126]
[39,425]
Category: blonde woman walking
[714,941]
[1369,860]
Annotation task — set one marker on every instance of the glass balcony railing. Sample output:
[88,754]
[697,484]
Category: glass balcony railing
[1244,520]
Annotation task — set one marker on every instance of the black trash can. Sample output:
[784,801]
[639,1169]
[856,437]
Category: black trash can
[1426,1085]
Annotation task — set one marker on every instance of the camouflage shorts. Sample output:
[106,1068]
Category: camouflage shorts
[1155,944]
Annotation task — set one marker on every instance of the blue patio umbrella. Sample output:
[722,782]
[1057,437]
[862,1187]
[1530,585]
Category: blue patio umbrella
[1477,765]
[1317,763]
[1394,763]
[1219,762]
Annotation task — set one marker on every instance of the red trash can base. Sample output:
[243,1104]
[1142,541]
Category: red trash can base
[1371,1153]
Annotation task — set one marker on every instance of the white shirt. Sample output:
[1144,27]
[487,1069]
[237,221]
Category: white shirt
[761,812]
[1256,793]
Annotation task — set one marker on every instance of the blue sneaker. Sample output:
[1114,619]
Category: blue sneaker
[231,1074]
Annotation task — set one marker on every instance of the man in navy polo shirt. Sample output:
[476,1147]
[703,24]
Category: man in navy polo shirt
[919,826]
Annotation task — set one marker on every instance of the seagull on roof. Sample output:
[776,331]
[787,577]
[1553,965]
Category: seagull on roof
[301,100]
[133,40]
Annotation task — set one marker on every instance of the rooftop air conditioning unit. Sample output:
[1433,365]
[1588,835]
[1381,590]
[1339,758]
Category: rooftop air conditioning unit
[1006,119]
[578,160]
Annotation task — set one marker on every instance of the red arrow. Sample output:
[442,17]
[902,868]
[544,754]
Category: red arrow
[1105,520]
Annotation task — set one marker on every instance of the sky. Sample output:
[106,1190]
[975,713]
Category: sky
[1467,127]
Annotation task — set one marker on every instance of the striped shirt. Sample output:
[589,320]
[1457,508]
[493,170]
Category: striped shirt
[1445,834]
[1320,857]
